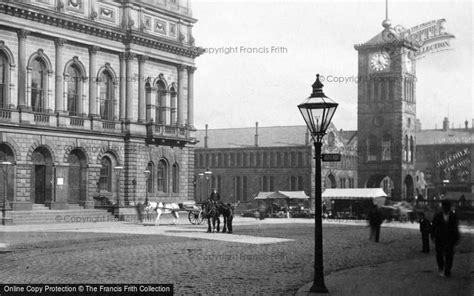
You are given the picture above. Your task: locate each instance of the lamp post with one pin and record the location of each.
(317, 111)
(147, 175)
(5, 165)
(201, 177)
(208, 175)
(118, 171)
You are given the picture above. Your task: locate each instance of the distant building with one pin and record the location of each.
(445, 160)
(245, 161)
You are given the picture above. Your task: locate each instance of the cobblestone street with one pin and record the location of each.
(201, 266)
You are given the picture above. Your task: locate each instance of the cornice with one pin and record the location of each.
(85, 26)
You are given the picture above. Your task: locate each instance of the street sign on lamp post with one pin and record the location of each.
(317, 111)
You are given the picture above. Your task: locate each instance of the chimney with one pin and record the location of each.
(445, 124)
(306, 137)
(472, 126)
(466, 124)
(205, 139)
(256, 134)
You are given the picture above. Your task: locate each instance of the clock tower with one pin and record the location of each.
(386, 114)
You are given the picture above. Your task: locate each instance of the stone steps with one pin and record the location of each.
(74, 215)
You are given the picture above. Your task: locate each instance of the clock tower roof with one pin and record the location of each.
(388, 36)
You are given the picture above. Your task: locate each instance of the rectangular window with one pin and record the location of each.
(300, 183)
(244, 188)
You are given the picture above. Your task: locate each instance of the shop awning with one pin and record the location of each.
(282, 195)
(353, 193)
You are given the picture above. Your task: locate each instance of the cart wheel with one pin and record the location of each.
(193, 217)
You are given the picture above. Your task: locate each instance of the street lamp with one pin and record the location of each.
(147, 174)
(317, 111)
(208, 174)
(201, 176)
(118, 171)
(5, 165)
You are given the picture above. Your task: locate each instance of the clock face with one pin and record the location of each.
(379, 61)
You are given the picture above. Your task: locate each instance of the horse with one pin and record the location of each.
(160, 208)
(227, 211)
(210, 212)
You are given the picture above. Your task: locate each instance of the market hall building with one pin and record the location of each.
(241, 162)
(92, 94)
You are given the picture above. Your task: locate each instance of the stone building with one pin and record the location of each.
(445, 160)
(245, 161)
(386, 114)
(93, 88)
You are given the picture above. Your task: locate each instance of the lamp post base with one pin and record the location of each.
(318, 288)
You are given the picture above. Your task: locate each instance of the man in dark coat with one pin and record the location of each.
(375, 221)
(425, 229)
(445, 234)
(215, 196)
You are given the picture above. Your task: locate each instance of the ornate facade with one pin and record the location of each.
(92, 94)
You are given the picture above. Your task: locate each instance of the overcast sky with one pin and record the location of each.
(308, 37)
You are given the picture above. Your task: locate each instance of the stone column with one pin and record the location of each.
(59, 81)
(123, 88)
(191, 96)
(22, 34)
(129, 96)
(93, 81)
(181, 69)
(141, 87)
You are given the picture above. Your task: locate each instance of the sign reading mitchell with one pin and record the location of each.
(428, 37)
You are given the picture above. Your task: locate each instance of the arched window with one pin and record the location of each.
(73, 81)
(173, 98)
(38, 85)
(106, 88)
(105, 178)
(412, 149)
(406, 148)
(176, 178)
(372, 148)
(150, 184)
(3, 81)
(162, 176)
(161, 102)
(386, 147)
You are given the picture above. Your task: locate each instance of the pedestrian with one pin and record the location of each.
(375, 221)
(215, 196)
(445, 234)
(425, 229)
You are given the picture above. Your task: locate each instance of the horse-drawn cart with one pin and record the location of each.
(194, 213)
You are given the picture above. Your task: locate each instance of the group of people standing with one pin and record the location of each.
(443, 230)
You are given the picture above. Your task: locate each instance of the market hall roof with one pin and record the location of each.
(274, 136)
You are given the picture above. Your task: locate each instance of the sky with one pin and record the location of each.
(263, 56)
